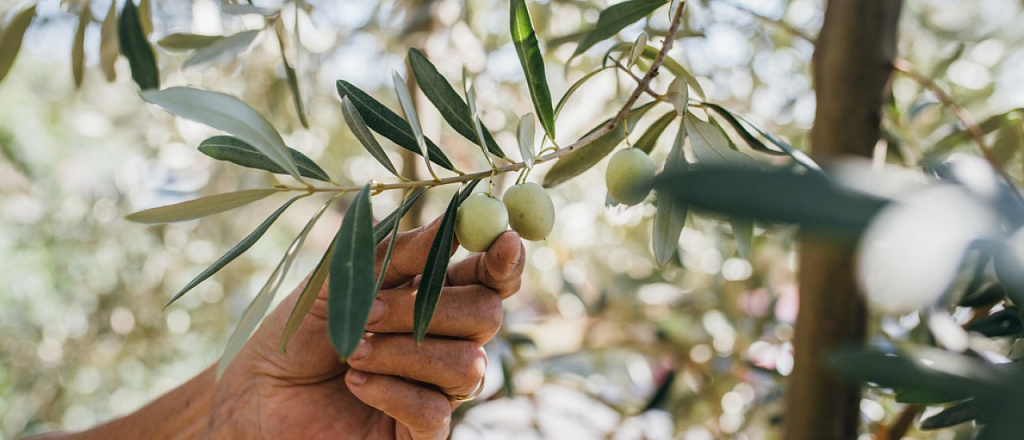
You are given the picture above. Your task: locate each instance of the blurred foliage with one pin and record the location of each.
(600, 341)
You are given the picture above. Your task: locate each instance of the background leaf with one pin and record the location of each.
(351, 283)
(528, 48)
(11, 36)
(712, 147)
(649, 139)
(775, 195)
(435, 271)
(670, 216)
(236, 151)
(673, 66)
(586, 156)
(136, 48)
(221, 50)
(453, 109)
(576, 85)
(78, 46)
(261, 303)
(362, 133)
(200, 207)
(227, 113)
(109, 46)
(235, 251)
(615, 18)
(388, 124)
(186, 41)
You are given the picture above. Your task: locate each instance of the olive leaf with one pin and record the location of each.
(257, 309)
(351, 282)
(109, 46)
(411, 116)
(670, 216)
(586, 156)
(235, 251)
(383, 227)
(778, 195)
(649, 139)
(673, 66)
(221, 50)
(638, 49)
(136, 48)
(78, 46)
(186, 41)
(447, 101)
(435, 271)
(524, 38)
(740, 123)
(11, 36)
(615, 18)
(198, 208)
(712, 148)
(227, 113)
(954, 415)
(388, 124)
(362, 133)
(236, 151)
(306, 299)
(525, 134)
(576, 85)
(291, 73)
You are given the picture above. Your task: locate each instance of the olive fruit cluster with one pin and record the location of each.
(526, 207)
(629, 176)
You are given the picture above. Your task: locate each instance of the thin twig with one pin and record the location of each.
(642, 86)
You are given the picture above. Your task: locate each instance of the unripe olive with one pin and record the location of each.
(480, 220)
(629, 176)
(530, 211)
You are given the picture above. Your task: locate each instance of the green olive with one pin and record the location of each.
(629, 176)
(530, 211)
(480, 220)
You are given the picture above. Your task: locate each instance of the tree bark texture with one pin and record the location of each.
(852, 64)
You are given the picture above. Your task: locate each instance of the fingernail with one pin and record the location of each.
(362, 351)
(376, 312)
(356, 377)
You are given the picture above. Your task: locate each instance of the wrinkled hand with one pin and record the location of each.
(390, 388)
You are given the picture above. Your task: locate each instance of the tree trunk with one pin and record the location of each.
(852, 64)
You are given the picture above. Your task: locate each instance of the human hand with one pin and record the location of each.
(390, 388)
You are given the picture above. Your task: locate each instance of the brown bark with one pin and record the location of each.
(852, 64)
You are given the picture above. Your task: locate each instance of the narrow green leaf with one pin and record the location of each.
(412, 116)
(234, 150)
(743, 233)
(740, 122)
(78, 46)
(434, 272)
(185, 41)
(577, 85)
(525, 40)
(136, 48)
(453, 109)
(200, 207)
(364, 136)
(227, 113)
(1009, 139)
(11, 36)
(673, 66)
(989, 125)
(387, 254)
(261, 303)
(712, 148)
(221, 50)
(752, 140)
(670, 216)
(291, 74)
(109, 46)
(388, 124)
(351, 284)
(954, 415)
(306, 298)
(774, 195)
(586, 156)
(649, 139)
(525, 134)
(615, 18)
(239, 249)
